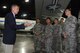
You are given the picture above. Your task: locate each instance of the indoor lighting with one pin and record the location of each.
(26, 0)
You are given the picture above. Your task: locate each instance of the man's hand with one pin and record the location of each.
(27, 24)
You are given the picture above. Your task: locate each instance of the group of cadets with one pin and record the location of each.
(57, 38)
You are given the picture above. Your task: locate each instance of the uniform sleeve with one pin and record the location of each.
(60, 29)
(42, 29)
(34, 29)
(73, 22)
(63, 28)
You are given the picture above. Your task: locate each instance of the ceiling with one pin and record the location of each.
(41, 10)
(27, 9)
(37, 8)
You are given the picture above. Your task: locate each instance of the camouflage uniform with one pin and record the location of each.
(62, 37)
(38, 28)
(70, 29)
(48, 38)
(57, 48)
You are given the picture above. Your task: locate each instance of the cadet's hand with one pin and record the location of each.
(65, 35)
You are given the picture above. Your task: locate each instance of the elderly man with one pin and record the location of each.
(9, 33)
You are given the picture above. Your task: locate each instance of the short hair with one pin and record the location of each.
(69, 9)
(37, 18)
(56, 19)
(14, 5)
(62, 19)
(49, 19)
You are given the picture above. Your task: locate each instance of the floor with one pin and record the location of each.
(24, 44)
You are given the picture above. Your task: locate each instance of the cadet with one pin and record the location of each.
(70, 32)
(57, 37)
(62, 35)
(48, 36)
(37, 30)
